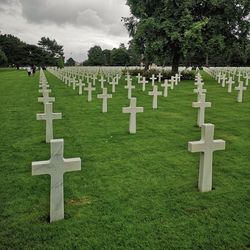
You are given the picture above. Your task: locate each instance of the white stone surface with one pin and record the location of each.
(155, 93)
(206, 146)
(153, 78)
(240, 89)
(113, 83)
(104, 96)
(46, 98)
(165, 85)
(49, 116)
(129, 87)
(201, 105)
(80, 84)
(230, 83)
(90, 89)
(133, 110)
(144, 82)
(102, 81)
(56, 167)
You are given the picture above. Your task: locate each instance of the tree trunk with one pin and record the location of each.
(176, 62)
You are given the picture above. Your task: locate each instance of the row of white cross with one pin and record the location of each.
(207, 145)
(56, 166)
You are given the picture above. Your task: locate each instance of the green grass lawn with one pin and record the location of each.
(134, 191)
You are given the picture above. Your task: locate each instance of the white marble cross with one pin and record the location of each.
(165, 85)
(230, 82)
(94, 78)
(44, 91)
(224, 78)
(144, 82)
(200, 89)
(206, 146)
(46, 99)
(159, 77)
(139, 77)
(201, 105)
(113, 83)
(104, 96)
(74, 82)
(155, 93)
(240, 89)
(56, 167)
(172, 82)
(133, 110)
(80, 84)
(153, 78)
(89, 89)
(247, 78)
(102, 80)
(49, 116)
(129, 87)
(176, 79)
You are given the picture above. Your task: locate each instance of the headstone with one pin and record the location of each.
(230, 82)
(133, 110)
(113, 83)
(201, 105)
(89, 89)
(46, 99)
(240, 89)
(49, 116)
(144, 82)
(153, 78)
(104, 96)
(80, 84)
(206, 146)
(165, 85)
(56, 167)
(159, 77)
(155, 93)
(102, 80)
(129, 87)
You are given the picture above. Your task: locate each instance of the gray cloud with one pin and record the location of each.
(76, 24)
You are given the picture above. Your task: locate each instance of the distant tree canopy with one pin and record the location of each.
(115, 57)
(70, 62)
(190, 31)
(20, 53)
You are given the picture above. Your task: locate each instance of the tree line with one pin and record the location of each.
(15, 53)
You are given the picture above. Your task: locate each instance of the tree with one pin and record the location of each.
(107, 57)
(175, 28)
(120, 56)
(60, 62)
(95, 56)
(51, 46)
(3, 58)
(70, 62)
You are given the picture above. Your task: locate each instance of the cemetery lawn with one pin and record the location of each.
(134, 191)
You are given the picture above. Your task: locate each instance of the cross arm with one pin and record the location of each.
(72, 164)
(40, 167)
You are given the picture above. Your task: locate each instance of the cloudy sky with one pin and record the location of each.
(75, 24)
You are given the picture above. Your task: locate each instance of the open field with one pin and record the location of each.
(134, 191)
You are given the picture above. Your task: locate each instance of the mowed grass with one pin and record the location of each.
(134, 191)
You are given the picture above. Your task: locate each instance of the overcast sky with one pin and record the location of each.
(75, 24)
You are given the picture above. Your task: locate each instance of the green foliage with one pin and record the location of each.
(70, 62)
(60, 62)
(120, 56)
(51, 46)
(185, 30)
(3, 58)
(22, 54)
(95, 56)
